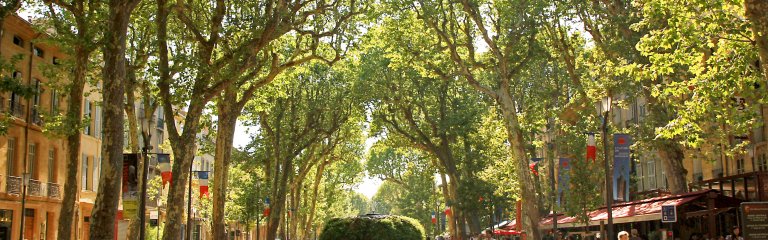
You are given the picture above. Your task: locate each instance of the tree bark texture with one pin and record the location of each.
(279, 196)
(74, 114)
(228, 110)
(757, 13)
(517, 145)
(672, 160)
(105, 209)
(133, 137)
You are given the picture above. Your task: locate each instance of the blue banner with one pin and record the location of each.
(563, 179)
(621, 166)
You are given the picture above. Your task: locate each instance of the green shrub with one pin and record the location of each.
(379, 227)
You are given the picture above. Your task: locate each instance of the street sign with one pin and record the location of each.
(754, 218)
(668, 213)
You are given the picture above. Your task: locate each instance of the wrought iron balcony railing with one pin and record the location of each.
(16, 108)
(13, 185)
(35, 188)
(54, 191)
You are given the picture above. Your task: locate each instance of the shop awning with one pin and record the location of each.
(635, 211)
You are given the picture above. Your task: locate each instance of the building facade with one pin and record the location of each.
(24, 148)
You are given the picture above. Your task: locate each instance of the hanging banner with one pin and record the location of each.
(130, 185)
(266, 207)
(202, 180)
(591, 149)
(563, 179)
(434, 219)
(534, 166)
(164, 164)
(621, 166)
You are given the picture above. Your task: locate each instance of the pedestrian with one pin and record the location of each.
(635, 235)
(623, 235)
(735, 234)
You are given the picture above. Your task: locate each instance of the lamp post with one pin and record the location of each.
(551, 156)
(189, 202)
(258, 213)
(24, 183)
(143, 198)
(606, 104)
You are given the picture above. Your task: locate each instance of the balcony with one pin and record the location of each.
(747, 186)
(54, 191)
(16, 108)
(35, 188)
(13, 186)
(36, 119)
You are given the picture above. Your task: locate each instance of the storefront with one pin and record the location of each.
(705, 212)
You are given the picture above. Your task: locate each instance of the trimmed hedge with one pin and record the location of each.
(379, 227)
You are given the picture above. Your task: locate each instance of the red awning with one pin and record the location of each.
(641, 210)
(502, 232)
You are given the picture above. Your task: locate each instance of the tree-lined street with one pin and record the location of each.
(462, 109)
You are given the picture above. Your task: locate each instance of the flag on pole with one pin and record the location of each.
(591, 149)
(203, 182)
(534, 166)
(434, 219)
(164, 163)
(266, 207)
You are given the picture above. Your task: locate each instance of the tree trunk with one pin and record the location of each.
(105, 209)
(517, 147)
(447, 196)
(279, 197)
(672, 159)
(757, 13)
(183, 156)
(74, 115)
(228, 111)
(315, 188)
(133, 136)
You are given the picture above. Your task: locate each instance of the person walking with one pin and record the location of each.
(623, 235)
(735, 234)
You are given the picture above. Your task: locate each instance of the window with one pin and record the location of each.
(32, 159)
(52, 165)
(160, 137)
(36, 103)
(84, 173)
(762, 164)
(740, 165)
(18, 41)
(642, 110)
(160, 120)
(36, 99)
(38, 52)
(664, 179)
(697, 170)
(650, 168)
(94, 173)
(10, 163)
(54, 102)
(87, 115)
(97, 122)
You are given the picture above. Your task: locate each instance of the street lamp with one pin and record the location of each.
(24, 183)
(189, 201)
(551, 156)
(606, 104)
